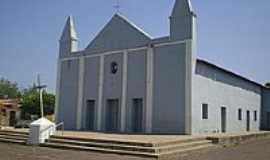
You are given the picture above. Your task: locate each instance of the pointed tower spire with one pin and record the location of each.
(182, 20)
(69, 39)
(69, 32)
(181, 8)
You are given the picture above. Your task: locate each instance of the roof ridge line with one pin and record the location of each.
(133, 24)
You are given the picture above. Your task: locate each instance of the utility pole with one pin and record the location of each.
(40, 89)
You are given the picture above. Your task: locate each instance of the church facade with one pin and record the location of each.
(125, 81)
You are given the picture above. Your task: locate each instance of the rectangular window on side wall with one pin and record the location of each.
(255, 115)
(204, 111)
(239, 114)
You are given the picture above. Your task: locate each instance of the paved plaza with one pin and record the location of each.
(256, 150)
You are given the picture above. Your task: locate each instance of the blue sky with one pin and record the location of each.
(234, 34)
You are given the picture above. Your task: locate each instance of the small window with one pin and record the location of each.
(239, 114)
(204, 111)
(255, 115)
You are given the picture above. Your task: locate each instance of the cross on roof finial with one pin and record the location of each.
(117, 6)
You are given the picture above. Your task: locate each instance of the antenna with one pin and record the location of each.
(117, 6)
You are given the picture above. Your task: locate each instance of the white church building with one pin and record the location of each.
(125, 81)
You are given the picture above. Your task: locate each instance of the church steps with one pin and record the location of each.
(129, 142)
(9, 136)
(13, 132)
(103, 150)
(162, 148)
(183, 146)
(182, 141)
(106, 141)
(13, 137)
(6, 140)
(108, 145)
(114, 146)
(155, 150)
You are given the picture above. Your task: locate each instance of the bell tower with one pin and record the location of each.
(182, 21)
(69, 40)
(183, 28)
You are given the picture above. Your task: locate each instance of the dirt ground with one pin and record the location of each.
(258, 150)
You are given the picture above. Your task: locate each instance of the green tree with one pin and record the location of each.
(9, 89)
(31, 103)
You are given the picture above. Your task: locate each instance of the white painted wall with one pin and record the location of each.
(211, 87)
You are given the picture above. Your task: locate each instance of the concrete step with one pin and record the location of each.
(13, 134)
(187, 150)
(13, 131)
(187, 140)
(111, 146)
(127, 148)
(97, 149)
(14, 137)
(128, 142)
(106, 141)
(8, 136)
(185, 145)
(174, 149)
(116, 146)
(168, 147)
(6, 140)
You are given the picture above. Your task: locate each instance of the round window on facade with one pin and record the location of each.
(114, 67)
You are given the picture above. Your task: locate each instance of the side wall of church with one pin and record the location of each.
(219, 89)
